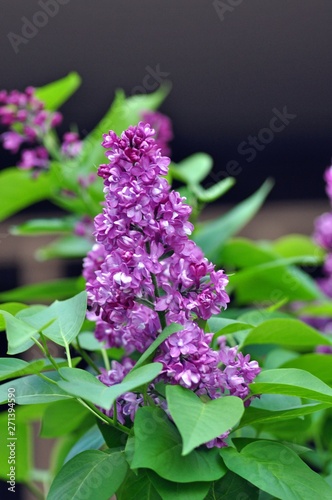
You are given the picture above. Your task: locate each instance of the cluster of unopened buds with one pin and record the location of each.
(144, 273)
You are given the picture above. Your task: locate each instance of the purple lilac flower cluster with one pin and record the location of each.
(162, 125)
(323, 237)
(145, 273)
(28, 122)
(71, 145)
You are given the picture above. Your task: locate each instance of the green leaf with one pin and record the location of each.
(192, 170)
(275, 277)
(44, 226)
(169, 490)
(18, 333)
(215, 192)
(19, 190)
(257, 316)
(273, 408)
(167, 332)
(276, 469)
(225, 326)
(241, 252)
(46, 291)
(319, 365)
(258, 416)
(89, 342)
(323, 309)
(217, 324)
(212, 236)
(232, 487)
(122, 113)
(13, 367)
(292, 382)
(56, 93)
(92, 474)
(63, 417)
(158, 447)
(286, 332)
(200, 421)
(12, 308)
(274, 281)
(82, 384)
(276, 357)
(65, 247)
(137, 487)
(92, 439)
(275, 402)
(113, 437)
(295, 245)
(66, 318)
(33, 390)
(8, 366)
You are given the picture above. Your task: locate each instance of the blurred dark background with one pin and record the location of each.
(234, 65)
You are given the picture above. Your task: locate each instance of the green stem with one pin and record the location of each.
(86, 356)
(41, 375)
(70, 364)
(162, 319)
(115, 413)
(104, 418)
(155, 284)
(105, 359)
(45, 351)
(145, 302)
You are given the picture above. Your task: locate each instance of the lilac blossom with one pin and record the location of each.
(323, 231)
(84, 227)
(145, 273)
(163, 129)
(328, 180)
(28, 123)
(71, 145)
(128, 403)
(323, 237)
(37, 158)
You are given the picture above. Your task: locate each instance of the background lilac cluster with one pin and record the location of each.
(323, 237)
(30, 124)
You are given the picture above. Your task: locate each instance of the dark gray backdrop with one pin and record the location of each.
(234, 65)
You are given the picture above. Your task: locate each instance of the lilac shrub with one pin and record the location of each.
(144, 273)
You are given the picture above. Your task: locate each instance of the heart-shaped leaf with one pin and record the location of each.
(278, 470)
(157, 446)
(91, 474)
(64, 319)
(19, 333)
(199, 421)
(83, 384)
(292, 382)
